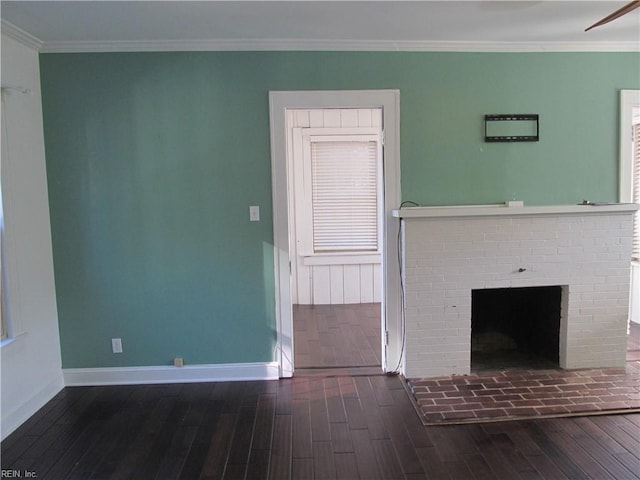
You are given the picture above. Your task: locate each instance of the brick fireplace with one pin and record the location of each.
(448, 252)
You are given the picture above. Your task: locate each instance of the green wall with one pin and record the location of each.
(154, 158)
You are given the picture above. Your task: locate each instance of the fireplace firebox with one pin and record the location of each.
(515, 327)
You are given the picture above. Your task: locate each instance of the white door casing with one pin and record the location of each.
(279, 104)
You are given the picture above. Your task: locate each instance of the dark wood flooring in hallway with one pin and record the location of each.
(330, 336)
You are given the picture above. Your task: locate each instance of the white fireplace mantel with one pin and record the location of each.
(503, 209)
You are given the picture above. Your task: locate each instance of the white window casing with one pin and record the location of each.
(342, 179)
(635, 251)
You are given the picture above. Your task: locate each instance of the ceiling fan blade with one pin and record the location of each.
(618, 13)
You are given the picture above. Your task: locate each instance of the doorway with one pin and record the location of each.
(335, 165)
(281, 106)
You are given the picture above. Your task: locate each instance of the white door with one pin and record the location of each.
(335, 205)
(281, 104)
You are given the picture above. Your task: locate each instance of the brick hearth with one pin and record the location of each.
(510, 395)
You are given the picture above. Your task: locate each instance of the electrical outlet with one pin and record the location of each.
(116, 345)
(178, 362)
(254, 213)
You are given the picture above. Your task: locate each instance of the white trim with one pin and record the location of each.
(26, 409)
(169, 374)
(634, 297)
(279, 104)
(285, 44)
(503, 210)
(355, 258)
(20, 36)
(331, 45)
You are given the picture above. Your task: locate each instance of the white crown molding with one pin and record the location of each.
(170, 374)
(19, 35)
(333, 45)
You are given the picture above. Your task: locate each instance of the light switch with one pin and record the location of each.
(254, 213)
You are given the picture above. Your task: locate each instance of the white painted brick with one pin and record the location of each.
(447, 258)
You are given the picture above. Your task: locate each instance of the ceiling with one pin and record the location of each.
(521, 25)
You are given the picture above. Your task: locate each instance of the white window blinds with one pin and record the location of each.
(635, 253)
(345, 193)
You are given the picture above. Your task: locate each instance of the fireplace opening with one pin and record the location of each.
(515, 328)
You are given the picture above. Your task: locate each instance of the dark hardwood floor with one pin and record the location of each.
(330, 336)
(306, 427)
(340, 427)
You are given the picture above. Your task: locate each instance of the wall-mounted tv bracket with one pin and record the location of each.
(494, 123)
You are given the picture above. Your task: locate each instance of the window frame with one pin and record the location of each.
(305, 232)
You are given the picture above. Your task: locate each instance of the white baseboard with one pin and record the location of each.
(21, 414)
(228, 372)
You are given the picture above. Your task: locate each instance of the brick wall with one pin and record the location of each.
(445, 258)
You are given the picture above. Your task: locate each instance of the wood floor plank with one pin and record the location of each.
(161, 445)
(44, 418)
(69, 459)
(520, 439)
(459, 469)
(193, 463)
(324, 466)
(258, 466)
(588, 464)
(629, 442)
(99, 451)
(380, 386)
(631, 462)
(375, 424)
(478, 466)
(365, 455)
(319, 416)
(242, 436)
(346, 466)
(18, 448)
(341, 438)
(607, 460)
(490, 452)
(216, 459)
(387, 459)
(301, 419)
(302, 468)
(543, 438)
(432, 464)
(263, 428)
(202, 439)
(177, 454)
(407, 457)
(515, 457)
(281, 451)
(355, 416)
(335, 406)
